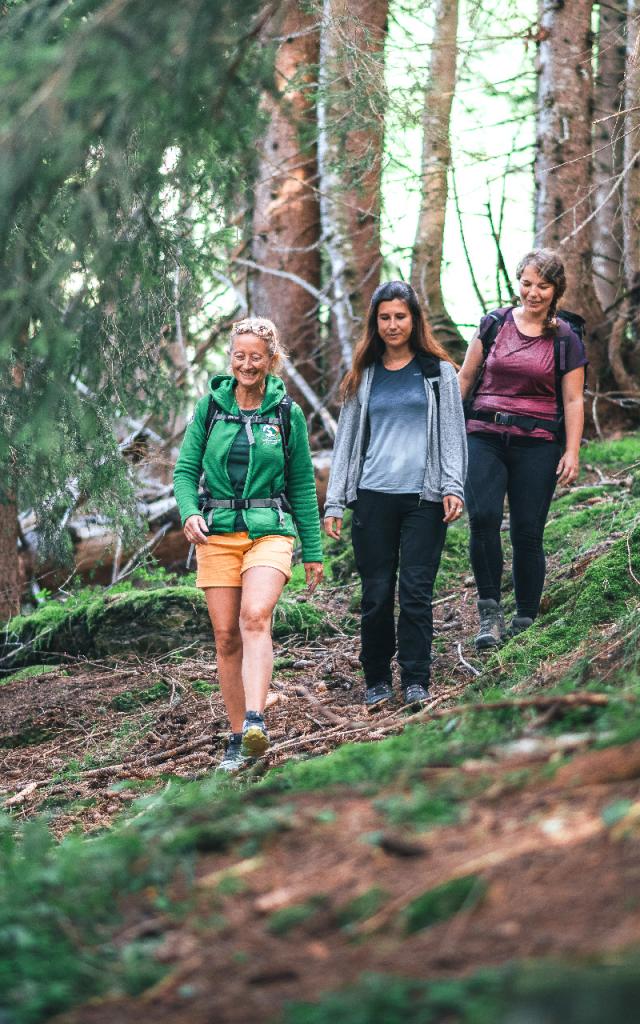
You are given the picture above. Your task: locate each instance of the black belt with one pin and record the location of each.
(512, 419)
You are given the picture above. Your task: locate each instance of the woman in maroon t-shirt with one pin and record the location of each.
(511, 452)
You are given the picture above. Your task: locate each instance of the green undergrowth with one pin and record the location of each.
(534, 993)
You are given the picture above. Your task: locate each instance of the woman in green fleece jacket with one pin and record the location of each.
(259, 481)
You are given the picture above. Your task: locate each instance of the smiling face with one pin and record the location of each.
(250, 360)
(536, 293)
(395, 324)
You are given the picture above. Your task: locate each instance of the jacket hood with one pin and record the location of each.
(222, 388)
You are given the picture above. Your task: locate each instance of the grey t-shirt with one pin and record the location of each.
(396, 456)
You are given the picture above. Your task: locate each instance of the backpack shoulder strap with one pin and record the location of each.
(214, 412)
(430, 367)
(284, 419)
(489, 327)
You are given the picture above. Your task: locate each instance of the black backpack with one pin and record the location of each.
(489, 327)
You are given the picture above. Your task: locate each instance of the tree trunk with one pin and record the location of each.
(436, 157)
(608, 153)
(350, 130)
(631, 183)
(563, 164)
(286, 217)
(10, 587)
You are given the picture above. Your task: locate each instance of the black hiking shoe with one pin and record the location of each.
(416, 693)
(519, 623)
(492, 628)
(255, 738)
(233, 759)
(375, 693)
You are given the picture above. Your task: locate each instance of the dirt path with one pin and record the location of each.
(554, 880)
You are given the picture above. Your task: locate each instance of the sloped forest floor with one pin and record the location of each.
(479, 862)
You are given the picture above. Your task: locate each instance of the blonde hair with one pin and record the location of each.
(265, 329)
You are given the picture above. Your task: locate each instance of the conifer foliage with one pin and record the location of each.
(122, 125)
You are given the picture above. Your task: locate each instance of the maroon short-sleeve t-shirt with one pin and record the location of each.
(519, 377)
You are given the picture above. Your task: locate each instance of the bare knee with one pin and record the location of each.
(255, 620)
(228, 641)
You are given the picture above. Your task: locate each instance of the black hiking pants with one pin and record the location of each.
(391, 532)
(523, 469)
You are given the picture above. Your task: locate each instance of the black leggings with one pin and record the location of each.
(525, 470)
(391, 532)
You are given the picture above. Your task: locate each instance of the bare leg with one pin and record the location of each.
(224, 611)
(261, 588)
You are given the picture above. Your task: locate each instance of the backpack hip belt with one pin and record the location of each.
(513, 419)
(280, 503)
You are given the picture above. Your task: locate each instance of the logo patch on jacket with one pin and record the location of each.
(270, 434)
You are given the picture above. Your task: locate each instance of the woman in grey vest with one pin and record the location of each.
(399, 462)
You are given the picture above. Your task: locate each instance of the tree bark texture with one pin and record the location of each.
(631, 183)
(564, 199)
(350, 135)
(436, 157)
(10, 581)
(286, 216)
(608, 147)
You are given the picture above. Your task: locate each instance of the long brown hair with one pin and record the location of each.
(371, 347)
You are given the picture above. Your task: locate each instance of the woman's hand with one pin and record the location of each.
(332, 527)
(194, 530)
(568, 468)
(453, 506)
(314, 571)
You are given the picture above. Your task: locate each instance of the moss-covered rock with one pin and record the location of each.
(127, 620)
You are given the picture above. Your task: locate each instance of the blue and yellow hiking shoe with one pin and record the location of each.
(255, 738)
(233, 759)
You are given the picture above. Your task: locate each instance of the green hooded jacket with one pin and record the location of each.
(265, 474)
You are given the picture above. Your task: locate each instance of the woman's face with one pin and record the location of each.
(536, 293)
(250, 360)
(395, 323)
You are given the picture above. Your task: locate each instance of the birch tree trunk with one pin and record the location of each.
(631, 183)
(563, 167)
(286, 217)
(608, 147)
(436, 157)
(350, 131)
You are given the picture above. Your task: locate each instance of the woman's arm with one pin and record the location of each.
(452, 436)
(186, 476)
(573, 402)
(470, 367)
(342, 449)
(301, 489)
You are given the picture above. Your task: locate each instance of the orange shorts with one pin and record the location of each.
(225, 556)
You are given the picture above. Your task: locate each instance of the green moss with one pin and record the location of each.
(361, 907)
(542, 993)
(130, 699)
(622, 452)
(283, 921)
(30, 671)
(421, 808)
(443, 902)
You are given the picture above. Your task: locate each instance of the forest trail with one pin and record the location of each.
(502, 827)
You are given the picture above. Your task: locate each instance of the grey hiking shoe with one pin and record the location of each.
(416, 694)
(255, 738)
(375, 693)
(492, 628)
(233, 759)
(519, 623)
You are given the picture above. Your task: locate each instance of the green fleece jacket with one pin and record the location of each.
(265, 475)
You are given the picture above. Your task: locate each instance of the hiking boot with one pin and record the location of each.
(519, 623)
(233, 759)
(416, 693)
(492, 628)
(255, 738)
(375, 693)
